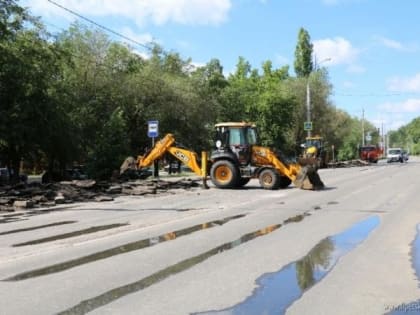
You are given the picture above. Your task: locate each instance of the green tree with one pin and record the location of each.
(407, 137)
(239, 96)
(319, 256)
(303, 54)
(29, 75)
(110, 148)
(102, 79)
(11, 18)
(273, 111)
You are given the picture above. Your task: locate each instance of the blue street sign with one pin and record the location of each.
(153, 128)
(307, 125)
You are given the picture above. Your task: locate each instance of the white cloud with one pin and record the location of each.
(394, 123)
(396, 45)
(142, 11)
(145, 38)
(390, 121)
(390, 43)
(340, 52)
(407, 106)
(282, 60)
(398, 84)
(142, 54)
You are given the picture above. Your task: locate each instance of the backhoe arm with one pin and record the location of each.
(187, 157)
(157, 152)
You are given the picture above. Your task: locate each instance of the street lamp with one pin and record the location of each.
(308, 124)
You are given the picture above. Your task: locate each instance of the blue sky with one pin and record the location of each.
(373, 45)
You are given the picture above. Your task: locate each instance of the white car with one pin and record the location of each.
(395, 155)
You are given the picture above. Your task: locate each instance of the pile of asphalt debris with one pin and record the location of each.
(37, 195)
(349, 163)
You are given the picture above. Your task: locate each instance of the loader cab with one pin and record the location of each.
(235, 140)
(316, 142)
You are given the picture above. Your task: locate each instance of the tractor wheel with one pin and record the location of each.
(269, 179)
(224, 174)
(284, 181)
(243, 181)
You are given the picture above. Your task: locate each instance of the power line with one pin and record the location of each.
(376, 94)
(99, 25)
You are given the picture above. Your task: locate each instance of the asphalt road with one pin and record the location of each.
(348, 249)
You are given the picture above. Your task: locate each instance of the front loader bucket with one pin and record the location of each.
(128, 164)
(311, 161)
(308, 178)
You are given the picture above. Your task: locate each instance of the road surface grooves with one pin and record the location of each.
(114, 294)
(125, 248)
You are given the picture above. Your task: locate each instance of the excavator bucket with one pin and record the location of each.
(128, 164)
(311, 161)
(308, 178)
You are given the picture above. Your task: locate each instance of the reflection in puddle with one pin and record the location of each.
(117, 293)
(125, 248)
(412, 307)
(278, 290)
(37, 227)
(416, 253)
(11, 219)
(90, 230)
(23, 215)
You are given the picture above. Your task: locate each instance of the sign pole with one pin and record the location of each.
(153, 132)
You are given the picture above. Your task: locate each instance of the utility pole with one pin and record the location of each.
(308, 106)
(382, 137)
(308, 97)
(363, 127)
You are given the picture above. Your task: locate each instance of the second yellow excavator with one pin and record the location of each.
(236, 159)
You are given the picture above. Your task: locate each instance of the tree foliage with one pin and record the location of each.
(303, 54)
(81, 97)
(407, 137)
(29, 69)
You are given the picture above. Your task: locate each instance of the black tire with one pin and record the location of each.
(284, 181)
(243, 181)
(224, 174)
(269, 179)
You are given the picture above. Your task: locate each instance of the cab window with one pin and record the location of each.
(236, 136)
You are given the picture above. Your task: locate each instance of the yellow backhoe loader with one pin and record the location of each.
(315, 152)
(236, 159)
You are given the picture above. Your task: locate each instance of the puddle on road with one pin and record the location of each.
(11, 219)
(412, 307)
(37, 227)
(90, 230)
(23, 215)
(125, 248)
(296, 218)
(373, 211)
(416, 253)
(117, 293)
(277, 291)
